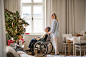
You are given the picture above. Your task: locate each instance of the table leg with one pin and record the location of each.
(73, 49)
(69, 47)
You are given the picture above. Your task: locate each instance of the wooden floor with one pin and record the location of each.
(68, 55)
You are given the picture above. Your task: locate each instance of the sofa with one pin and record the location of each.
(10, 52)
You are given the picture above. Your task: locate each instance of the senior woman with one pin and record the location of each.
(55, 32)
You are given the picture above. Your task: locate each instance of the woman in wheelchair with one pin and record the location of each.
(33, 41)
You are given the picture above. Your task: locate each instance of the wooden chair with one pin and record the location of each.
(80, 43)
(65, 43)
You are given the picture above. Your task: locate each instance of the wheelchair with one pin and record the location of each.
(43, 47)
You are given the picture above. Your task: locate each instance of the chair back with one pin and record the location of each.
(82, 39)
(76, 40)
(79, 40)
(66, 35)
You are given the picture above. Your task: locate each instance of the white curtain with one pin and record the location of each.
(79, 15)
(71, 15)
(13, 5)
(2, 31)
(48, 12)
(85, 15)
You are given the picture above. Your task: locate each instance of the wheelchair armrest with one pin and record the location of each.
(41, 39)
(48, 40)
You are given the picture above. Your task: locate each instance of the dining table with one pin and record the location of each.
(71, 39)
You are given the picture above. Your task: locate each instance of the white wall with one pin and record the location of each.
(2, 30)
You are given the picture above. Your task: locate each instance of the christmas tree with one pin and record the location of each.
(14, 24)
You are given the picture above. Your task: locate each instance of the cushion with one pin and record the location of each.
(82, 44)
(66, 42)
(21, 52)
(11, 52)
(18, 48)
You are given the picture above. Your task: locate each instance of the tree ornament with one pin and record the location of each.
(8, 12)
(12, 24)
(25, 25)
(12, 32)
(12, 18)
(20, 21)
(15, 31)
(24, 28)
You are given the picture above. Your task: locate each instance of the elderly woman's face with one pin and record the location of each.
(46, 30)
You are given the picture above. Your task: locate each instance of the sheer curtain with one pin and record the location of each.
(85, 15)
(48, 12)
(71, 15)
(2, 31)
(13, 5)
(79, 16)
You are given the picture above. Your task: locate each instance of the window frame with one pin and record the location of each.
(32, 4)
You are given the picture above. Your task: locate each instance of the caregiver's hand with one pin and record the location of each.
(49, 33)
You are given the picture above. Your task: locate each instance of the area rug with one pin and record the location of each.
(55, 56)
(26, 55)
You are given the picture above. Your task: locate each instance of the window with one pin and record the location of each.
(33, 12)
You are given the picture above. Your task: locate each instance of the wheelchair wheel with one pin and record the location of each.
(40, 48)
(49, 48)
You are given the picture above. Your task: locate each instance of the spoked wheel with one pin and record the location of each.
(40, 48)
(49, 48)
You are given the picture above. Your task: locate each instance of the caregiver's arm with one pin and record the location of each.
(53, 27)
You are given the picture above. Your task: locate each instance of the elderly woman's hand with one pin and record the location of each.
(36, 37)
(49, 33)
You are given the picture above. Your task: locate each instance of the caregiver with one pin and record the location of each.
(54, 32)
